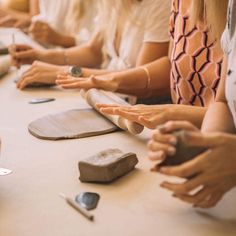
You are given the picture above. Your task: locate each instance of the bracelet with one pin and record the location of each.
(148, 77)
(65, 57)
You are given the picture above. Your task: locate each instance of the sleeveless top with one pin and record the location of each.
(229, 46)
(196, 59)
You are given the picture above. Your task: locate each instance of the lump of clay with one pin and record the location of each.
(184, 152)
(107, 166)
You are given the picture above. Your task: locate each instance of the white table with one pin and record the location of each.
(133, 205)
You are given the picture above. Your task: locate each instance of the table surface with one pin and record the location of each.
(133, 205)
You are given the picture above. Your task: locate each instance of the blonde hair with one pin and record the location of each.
(212, 12)
(76, 12)
(121, 8)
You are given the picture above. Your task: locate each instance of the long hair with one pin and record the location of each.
(77, 10)
(212, 12)
(122, 9)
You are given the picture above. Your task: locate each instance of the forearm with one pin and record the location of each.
(87, 72)
(64, 41)
(136, 81)
(218, 118)
(74, 56)
(193, 114)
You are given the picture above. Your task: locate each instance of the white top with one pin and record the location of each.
(152, 17)
(55, 14)
(229, 46)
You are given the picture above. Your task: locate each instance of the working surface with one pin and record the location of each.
(133, 205)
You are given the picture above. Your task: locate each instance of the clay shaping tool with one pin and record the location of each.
(79, 209)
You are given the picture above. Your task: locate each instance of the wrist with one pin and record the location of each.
(42, 55)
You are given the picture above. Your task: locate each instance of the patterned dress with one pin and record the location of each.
(196, 59)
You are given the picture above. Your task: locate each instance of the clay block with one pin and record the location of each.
(184, 152)
(106, 166)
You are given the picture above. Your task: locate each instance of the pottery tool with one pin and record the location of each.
(41, 100)
(77, 207)
(17, 67)
(87, 200)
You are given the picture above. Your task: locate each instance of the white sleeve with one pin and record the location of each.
(157, 21)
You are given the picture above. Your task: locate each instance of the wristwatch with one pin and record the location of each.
(75, 71)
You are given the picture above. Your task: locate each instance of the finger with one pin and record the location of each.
(186, 187)
(171, 126)
(20, 47)
(155, 146)
(77, 85)
(198, 139)
(157, 156)
(24, 55)
(154, 121)
(27, 74)
(101, 105)
(127, 115)
(195, 198)
(67, 81)
(188, 168)
(164, 138)
(211, 201)
(27, 81)
(109, 110)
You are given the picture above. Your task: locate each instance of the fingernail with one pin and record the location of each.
(173, 141)
(171, 151)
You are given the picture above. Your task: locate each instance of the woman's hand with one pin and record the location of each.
(163, 142)
(214, 171)
(101, 82)
(42, 73)
(146, 115)
(24, 54)
(13, 21)
(152, 116)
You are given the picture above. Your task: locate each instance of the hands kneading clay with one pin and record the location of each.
(107, 166)
(184, 152)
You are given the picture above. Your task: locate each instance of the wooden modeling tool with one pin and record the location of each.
(77, 207)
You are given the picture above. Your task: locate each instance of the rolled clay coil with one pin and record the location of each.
(94, 96)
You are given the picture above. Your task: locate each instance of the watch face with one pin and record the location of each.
(76, 71)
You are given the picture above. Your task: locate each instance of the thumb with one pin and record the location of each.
(198, 139)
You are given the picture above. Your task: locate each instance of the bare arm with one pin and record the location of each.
(149, 52)
(88, 55)
(218, 116)
(34, 7)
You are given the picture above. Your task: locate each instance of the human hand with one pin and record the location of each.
(42, 73)
(214, 171)
(149, 116)
(43, 33)
(13, 21)
(24, 54)
(67, 81)
(163, 142)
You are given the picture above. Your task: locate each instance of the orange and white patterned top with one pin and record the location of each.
(196, 59)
